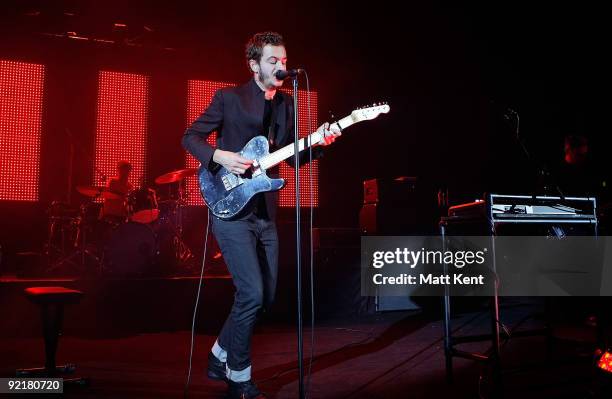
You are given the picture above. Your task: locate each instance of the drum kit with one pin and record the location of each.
(147, 240)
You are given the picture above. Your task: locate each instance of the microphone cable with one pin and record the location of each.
(195, 308)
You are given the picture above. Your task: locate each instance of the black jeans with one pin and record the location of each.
(250, 250)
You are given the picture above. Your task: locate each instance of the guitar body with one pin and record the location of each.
(226, 194)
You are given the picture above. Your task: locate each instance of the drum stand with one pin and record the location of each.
(181, 250)
(61, 228)
(81, 252)
(174, 219)
(56, 226)
(174, 222)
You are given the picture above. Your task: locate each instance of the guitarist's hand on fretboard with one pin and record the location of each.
(329, 134)
(232, 161)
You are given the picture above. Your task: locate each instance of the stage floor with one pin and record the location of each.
(382, 355)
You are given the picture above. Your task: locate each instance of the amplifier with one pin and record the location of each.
(397, 207)
(529, 209)
(388, 190)
(336, 237)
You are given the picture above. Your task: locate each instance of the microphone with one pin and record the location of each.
(282, 75)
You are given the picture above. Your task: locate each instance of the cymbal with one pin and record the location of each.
(176, 175)
(93, 191)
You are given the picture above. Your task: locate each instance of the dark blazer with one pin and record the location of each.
(237, 115)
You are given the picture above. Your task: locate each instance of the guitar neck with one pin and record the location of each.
(287, 151)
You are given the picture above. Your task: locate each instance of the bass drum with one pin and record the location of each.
(131, 250)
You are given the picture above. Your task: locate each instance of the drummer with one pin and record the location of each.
(116, 208)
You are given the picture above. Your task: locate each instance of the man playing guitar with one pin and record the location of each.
(248, 242)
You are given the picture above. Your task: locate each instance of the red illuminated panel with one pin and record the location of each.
(200, 94)
(121, 124)
(21, 102)
(605, 362)
(309, 184)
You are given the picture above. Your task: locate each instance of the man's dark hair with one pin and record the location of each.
(255, 45)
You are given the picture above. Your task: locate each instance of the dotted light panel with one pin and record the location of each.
(21, 102)
(121, 124)
(605, 362)
(309, 183)
(200, 94)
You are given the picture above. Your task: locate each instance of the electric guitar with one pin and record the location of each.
(227, 193)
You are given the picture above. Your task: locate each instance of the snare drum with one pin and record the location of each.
(143, 206)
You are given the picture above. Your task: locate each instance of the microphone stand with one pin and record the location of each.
(543, 175)
(70, 165)
(103, 177)
(298, 240)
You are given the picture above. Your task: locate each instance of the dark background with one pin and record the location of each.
(449, 73)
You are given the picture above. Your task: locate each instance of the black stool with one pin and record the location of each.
(51, 301)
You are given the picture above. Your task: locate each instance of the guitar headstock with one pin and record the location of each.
(370, 112)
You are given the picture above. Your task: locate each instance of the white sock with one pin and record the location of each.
(219, 352)
(239, 376)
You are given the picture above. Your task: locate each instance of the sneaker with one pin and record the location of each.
(243, 390)
(216, 368)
